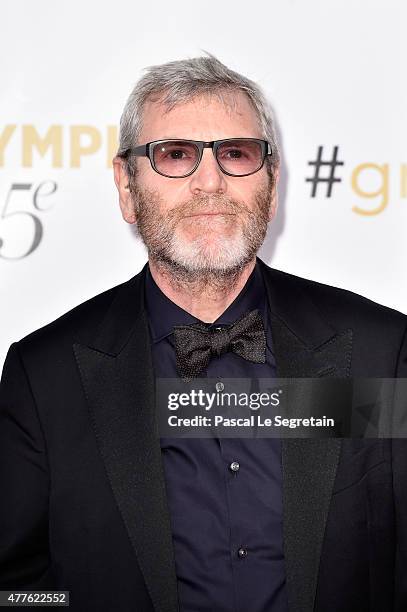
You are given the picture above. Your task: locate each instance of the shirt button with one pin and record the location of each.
(242, 553)
(234, 466)
(219, 386)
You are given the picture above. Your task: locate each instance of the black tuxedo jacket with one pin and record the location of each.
(83, 503)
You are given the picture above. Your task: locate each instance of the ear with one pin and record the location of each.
(122, 183)
(274, 195)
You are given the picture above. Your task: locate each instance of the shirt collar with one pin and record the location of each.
(163, 314)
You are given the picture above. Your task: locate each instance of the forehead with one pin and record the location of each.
(205, 117)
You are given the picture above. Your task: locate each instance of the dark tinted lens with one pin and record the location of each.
(240, 157)
(175, 158)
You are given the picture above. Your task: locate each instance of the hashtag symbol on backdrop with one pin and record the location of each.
(331, 178)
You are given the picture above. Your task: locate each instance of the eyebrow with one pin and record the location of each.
(173, 138)
(198, 140)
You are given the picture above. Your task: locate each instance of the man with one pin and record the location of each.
(93, 501)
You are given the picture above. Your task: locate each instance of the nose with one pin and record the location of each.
(208, 177)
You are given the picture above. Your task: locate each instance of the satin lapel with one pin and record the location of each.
(305, 346)
(119, 388)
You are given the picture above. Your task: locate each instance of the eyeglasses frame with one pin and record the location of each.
(147, 150)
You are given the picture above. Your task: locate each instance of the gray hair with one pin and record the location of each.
(179, 82)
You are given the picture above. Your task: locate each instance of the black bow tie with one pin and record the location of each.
(195, 344)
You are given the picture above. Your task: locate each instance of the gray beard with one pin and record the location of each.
(187, 266)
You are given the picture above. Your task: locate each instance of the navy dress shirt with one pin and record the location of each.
(224, 495)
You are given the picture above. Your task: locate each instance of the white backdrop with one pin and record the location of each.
(334, 71)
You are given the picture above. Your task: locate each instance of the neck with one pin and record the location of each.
(205, 296)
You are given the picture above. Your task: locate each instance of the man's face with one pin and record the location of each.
(209, 220)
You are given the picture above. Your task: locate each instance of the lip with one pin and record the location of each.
(209, 214)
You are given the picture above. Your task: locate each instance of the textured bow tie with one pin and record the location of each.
(195, 344)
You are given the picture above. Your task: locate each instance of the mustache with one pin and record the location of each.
(217, 203)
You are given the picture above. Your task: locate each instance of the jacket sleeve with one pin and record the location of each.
(399, 454)
(24, 483)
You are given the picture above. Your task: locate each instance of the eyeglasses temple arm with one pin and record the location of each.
(141, 151)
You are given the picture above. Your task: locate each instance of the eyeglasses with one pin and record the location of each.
(180, 158)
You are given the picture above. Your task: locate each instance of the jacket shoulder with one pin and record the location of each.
(335, 303)
(79, 323)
